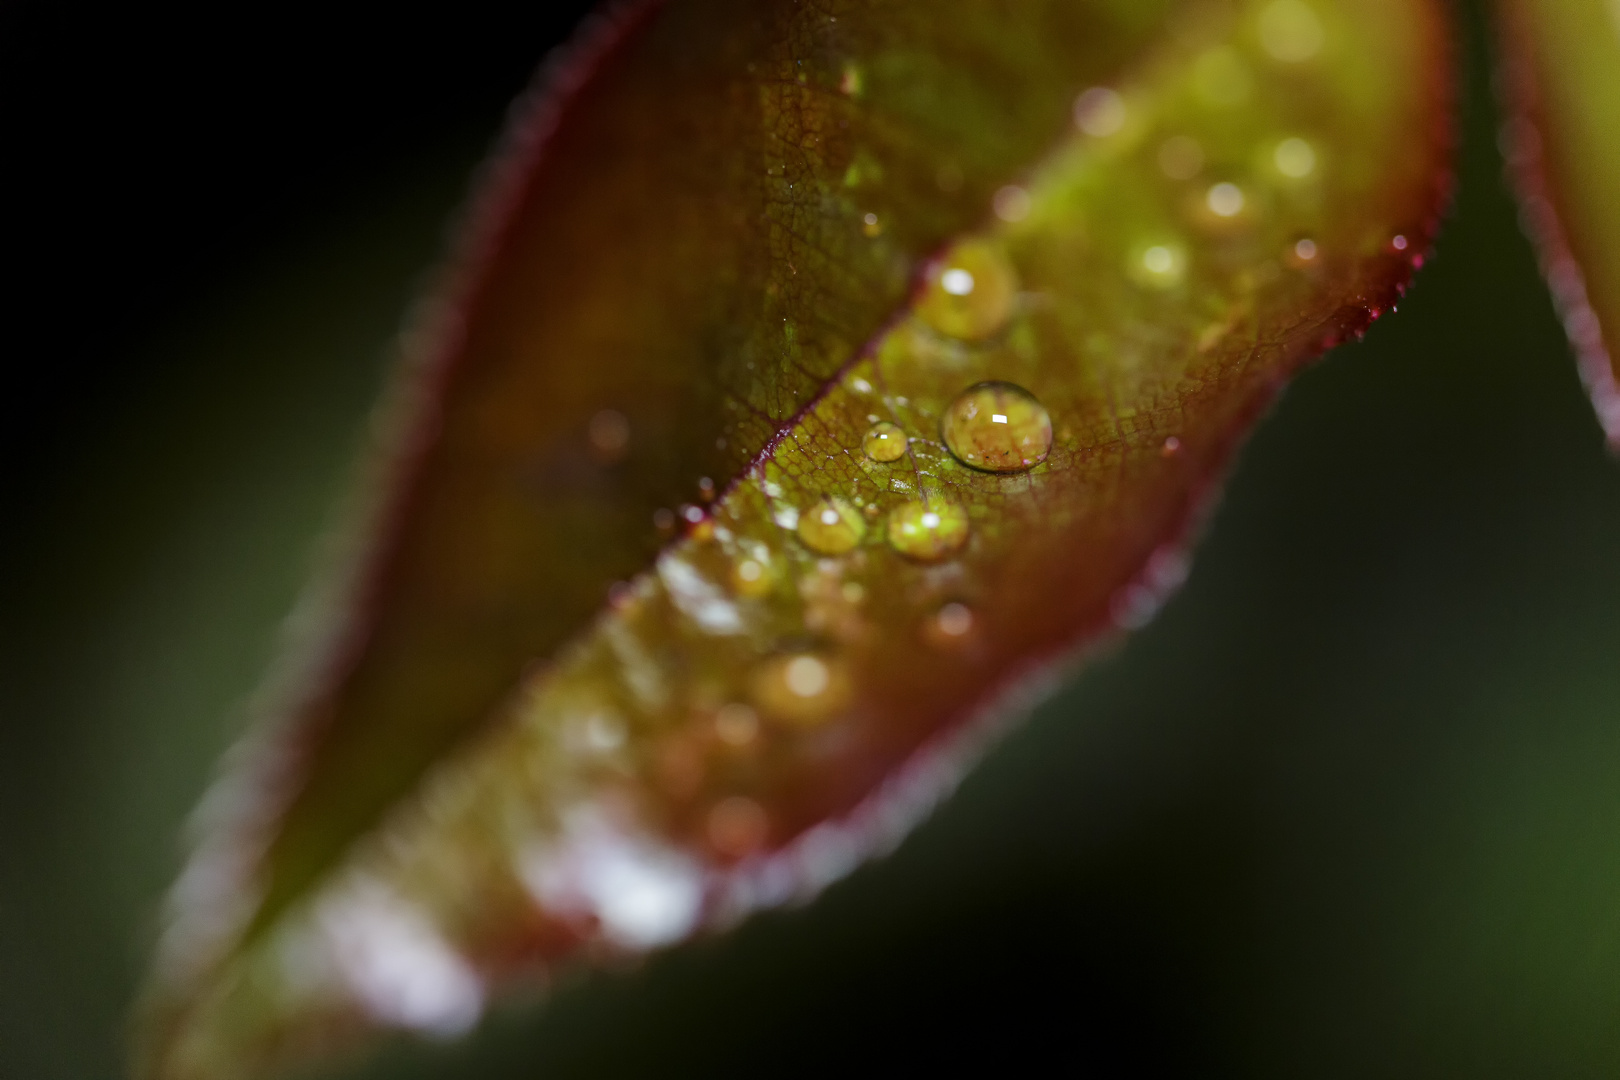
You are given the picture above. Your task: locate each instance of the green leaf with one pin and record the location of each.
(811, 380)
(1561, 77)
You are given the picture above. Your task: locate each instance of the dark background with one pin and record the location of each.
(1349, 808)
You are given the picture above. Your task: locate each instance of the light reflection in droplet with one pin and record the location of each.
(1099, 112)
(831, 527)
(956, 281)
(1225, 200)
(1011, 203)
(1018, 442)
(884, 442)
(1295, 158)
(971, 292)
(928, 530)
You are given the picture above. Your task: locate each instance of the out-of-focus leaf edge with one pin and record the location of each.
(1542, 216)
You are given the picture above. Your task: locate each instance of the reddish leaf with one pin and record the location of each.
(1561, 68)
(815, 376)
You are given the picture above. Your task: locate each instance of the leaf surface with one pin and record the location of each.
(813, 376)
(1561, 62)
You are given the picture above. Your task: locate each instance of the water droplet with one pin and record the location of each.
(997, 427)
(954, 619)
(801, 688)
(705, 488)
(692, 514)
(885, 442)
(1290, 31)
(1099, 112)
(736, 724)
(1294, 157)
(831, 527)
(609, 435)
(1225, 200)
(1305, 249)
(1181, 158)
(1159, 265)
(871, 226)
(751, 578)
(1171, 447)
(970, 292)
(1011, 203)
(928, 530)
(737, 826)
(1398, 243)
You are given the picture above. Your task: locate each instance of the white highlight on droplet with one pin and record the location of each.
(806, 676)
(1225, 199)
(998, 418)
(1011, 203)
(1294, 157)
(1159, 259)
(956, 281)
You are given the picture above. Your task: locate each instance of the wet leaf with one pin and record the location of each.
(1561, 75)
(814, 377)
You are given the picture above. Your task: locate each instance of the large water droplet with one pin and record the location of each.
(970, 293)
(885, 442)
(997, 427)
(831, 527)
(928, 530)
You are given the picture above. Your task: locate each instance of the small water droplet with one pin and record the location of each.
(1181, 158)
(954, 619)
(1011, 203)
(609, 435)
(705, 488)
(736, 724)
(1305, 249)
(831, 527)
(1295, 158)
(928, 530)
(885, 442)
(1157, 265)
(691, 514)
(1225, 200)
(751, 578)
(1398, 243)
(970, 292)
(737, 826)
(1020, 439)
(1290, 31)
(801, 688)
(871, 226)
(1171, 447)
(1099, 112)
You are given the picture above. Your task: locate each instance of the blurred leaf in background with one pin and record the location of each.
(1347, 807)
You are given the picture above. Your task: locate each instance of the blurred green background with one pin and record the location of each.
(1350, 807)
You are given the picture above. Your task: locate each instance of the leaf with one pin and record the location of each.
(1561, 78)
(814, 377)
